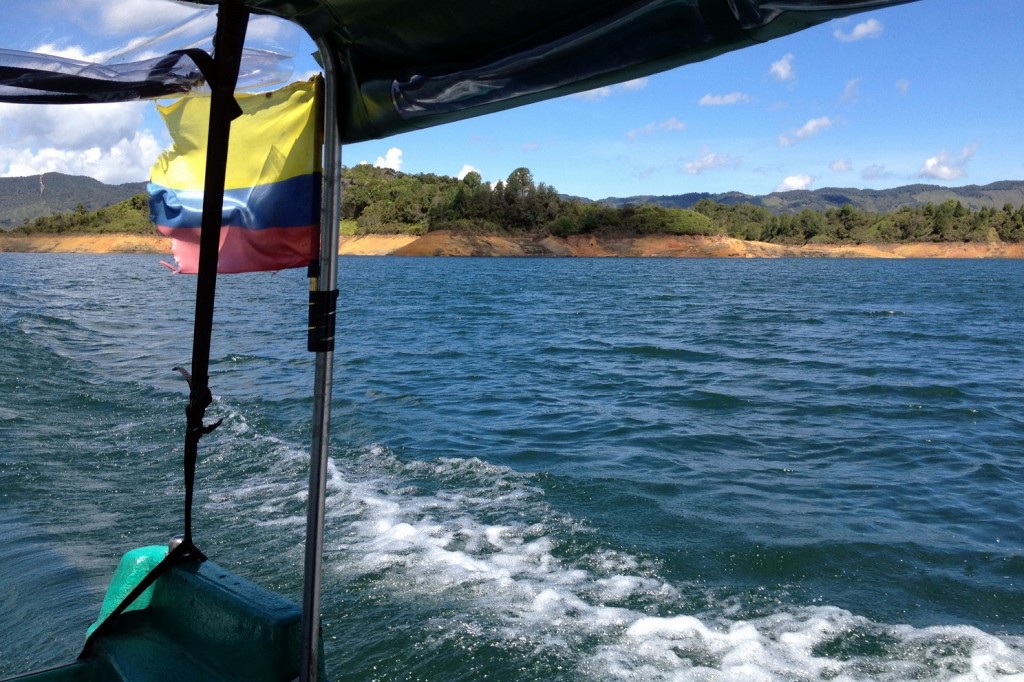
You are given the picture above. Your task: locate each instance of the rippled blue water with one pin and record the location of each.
(545, 469)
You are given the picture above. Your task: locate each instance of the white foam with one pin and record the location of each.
(442, 545)
(482, 538)
(784, 646)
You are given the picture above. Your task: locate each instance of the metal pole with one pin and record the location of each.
(326, 281)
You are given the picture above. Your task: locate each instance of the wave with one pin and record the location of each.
(476, 548)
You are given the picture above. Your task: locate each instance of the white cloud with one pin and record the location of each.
(392, 159)
(103, 141)
(128, 160)
(708, 160)
(903, 85)
(136, 49)
(795, 182)
(635, 84)
(73, 126)
(70, 52)
(942, 167)
(710, 100)
(609, 90)
(783, 69)
(668, 125)
(851, 90)
(809, 129)
(872, 28)
(840, 166)
(131, 16)
(466, 170)
(596, 93)
(272, 31)
(132, 30)
(118, 16)
(875, 171)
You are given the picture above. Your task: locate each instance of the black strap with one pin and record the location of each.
(322, 315)
(232, 20)
(208, 66)
(221, 73)
(194, 430)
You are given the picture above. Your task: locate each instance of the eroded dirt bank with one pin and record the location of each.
(448, 244)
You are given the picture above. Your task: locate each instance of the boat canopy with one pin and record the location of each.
(410, 64)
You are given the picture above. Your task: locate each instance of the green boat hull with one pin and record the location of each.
(196, 622)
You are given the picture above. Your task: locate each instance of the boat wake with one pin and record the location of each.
(476, 553)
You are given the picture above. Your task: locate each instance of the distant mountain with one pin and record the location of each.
(974, 197)
(26, 198)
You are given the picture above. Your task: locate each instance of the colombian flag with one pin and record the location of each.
(271, 214)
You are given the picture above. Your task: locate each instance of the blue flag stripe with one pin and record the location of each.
(289, 203)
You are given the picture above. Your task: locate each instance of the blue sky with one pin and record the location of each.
(928, 92)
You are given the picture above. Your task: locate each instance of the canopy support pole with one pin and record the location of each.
(323, 289)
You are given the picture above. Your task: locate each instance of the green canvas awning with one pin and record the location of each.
(409, 64)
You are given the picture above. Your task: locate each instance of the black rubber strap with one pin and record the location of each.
(323, 306)
(221, 73)
(232, 20)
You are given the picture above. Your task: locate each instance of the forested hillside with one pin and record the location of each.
(126, 217)
(975, 197)
(26, 198)
(382, 201)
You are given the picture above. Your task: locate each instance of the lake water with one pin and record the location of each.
(561, 469)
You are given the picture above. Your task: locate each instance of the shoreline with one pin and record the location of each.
(582, 246)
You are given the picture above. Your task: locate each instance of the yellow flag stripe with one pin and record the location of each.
(277, 137)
